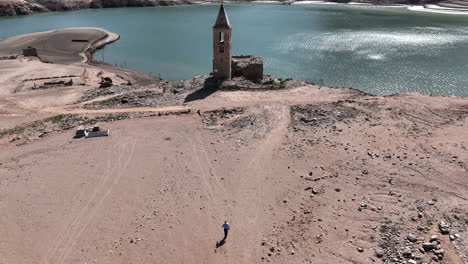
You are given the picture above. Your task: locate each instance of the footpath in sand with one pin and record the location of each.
(304, 174)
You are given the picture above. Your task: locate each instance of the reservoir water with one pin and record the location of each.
(375, 49)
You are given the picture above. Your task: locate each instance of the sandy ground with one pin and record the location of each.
(159, 188)
(63, 46)
(306, 174)
(24, 93)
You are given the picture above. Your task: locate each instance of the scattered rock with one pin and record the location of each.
(428, 246)
(407, 253)
(411, 238)
(379, 253)
(105, 82)
(444, 228)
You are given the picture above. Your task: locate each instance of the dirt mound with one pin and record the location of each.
(239, 125)
(310, 116)
(156, 93)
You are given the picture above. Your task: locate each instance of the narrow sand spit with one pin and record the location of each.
(62, 46)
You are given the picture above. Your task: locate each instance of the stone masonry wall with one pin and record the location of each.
(247, 66)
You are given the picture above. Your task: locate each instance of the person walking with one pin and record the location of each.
(226, 226)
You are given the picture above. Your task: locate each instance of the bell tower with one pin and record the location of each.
(222, 53)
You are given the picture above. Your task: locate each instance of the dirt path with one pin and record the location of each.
(168, 109)
(253, 182)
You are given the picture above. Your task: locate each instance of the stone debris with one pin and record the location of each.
(444, 228)
(412, 238)
(105, 82)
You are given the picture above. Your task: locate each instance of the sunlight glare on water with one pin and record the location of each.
(378, 50)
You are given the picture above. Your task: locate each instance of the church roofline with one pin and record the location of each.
(222, 21)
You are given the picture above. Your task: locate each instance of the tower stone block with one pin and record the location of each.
(222, 46)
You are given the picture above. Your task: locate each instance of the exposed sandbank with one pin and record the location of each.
(25, 82)
(63, 46)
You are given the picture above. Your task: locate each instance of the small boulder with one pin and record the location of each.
(444, 228)
(407, 253)
(411, 238)
(439, 252)
(379, 253)
(428, 246)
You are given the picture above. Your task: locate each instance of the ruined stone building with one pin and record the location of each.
(226, 66)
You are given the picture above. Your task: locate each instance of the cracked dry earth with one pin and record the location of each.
(330, 178)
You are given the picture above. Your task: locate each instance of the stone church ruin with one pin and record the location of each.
(225, 65)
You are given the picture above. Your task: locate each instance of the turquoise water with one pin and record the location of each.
(379, 50)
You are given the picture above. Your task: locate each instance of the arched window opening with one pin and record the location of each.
(221, 36)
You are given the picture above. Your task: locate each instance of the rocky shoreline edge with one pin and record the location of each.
(109, 38)
(29, 7)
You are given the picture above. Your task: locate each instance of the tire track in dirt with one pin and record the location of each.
(52, 253)
(107, 192)
(61, 236)
(206, 165)
(87, 213)
(211, 186)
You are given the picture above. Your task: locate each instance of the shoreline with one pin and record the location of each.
(87, 55)
(429, 7)
(13, 46)
(99, 44)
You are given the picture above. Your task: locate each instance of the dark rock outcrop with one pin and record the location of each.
(27, 7)
(19, 8)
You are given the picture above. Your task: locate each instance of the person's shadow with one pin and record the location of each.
(220, 243)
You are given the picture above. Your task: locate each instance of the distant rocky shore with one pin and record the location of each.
(28, 7)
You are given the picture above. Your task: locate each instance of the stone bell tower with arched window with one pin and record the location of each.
(222, 53)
